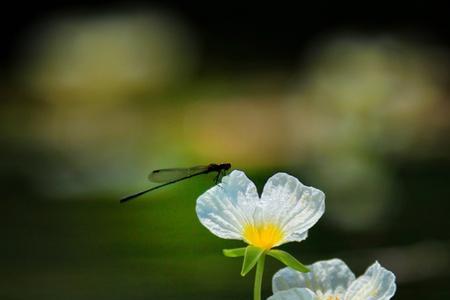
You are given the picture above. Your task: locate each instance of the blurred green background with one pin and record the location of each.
(94, 96)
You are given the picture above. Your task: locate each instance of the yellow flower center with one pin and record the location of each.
(263, 236)
(327, 296)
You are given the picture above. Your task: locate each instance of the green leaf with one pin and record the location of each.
(251, 257)
(236, 252)
(288, 260)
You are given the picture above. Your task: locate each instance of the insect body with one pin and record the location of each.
(173, 175)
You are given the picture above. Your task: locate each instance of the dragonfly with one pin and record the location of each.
(173, 175)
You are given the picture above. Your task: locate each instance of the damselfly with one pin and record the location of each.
(169, 176)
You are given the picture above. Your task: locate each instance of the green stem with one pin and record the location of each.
(258, 277)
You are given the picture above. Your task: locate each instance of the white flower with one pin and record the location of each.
(284, 213)
(333, 280)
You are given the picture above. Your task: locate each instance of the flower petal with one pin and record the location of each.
(293, 294)
(292, 205)
(225, 208)
(377, 283)
(329, 276)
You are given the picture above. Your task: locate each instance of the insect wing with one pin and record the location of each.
(166, 175)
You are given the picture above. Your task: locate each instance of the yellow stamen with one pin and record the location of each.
(263, 236)
(321, 296)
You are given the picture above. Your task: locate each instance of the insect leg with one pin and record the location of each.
(216, 179)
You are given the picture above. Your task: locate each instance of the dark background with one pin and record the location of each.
(233, 31)
(350, 98)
